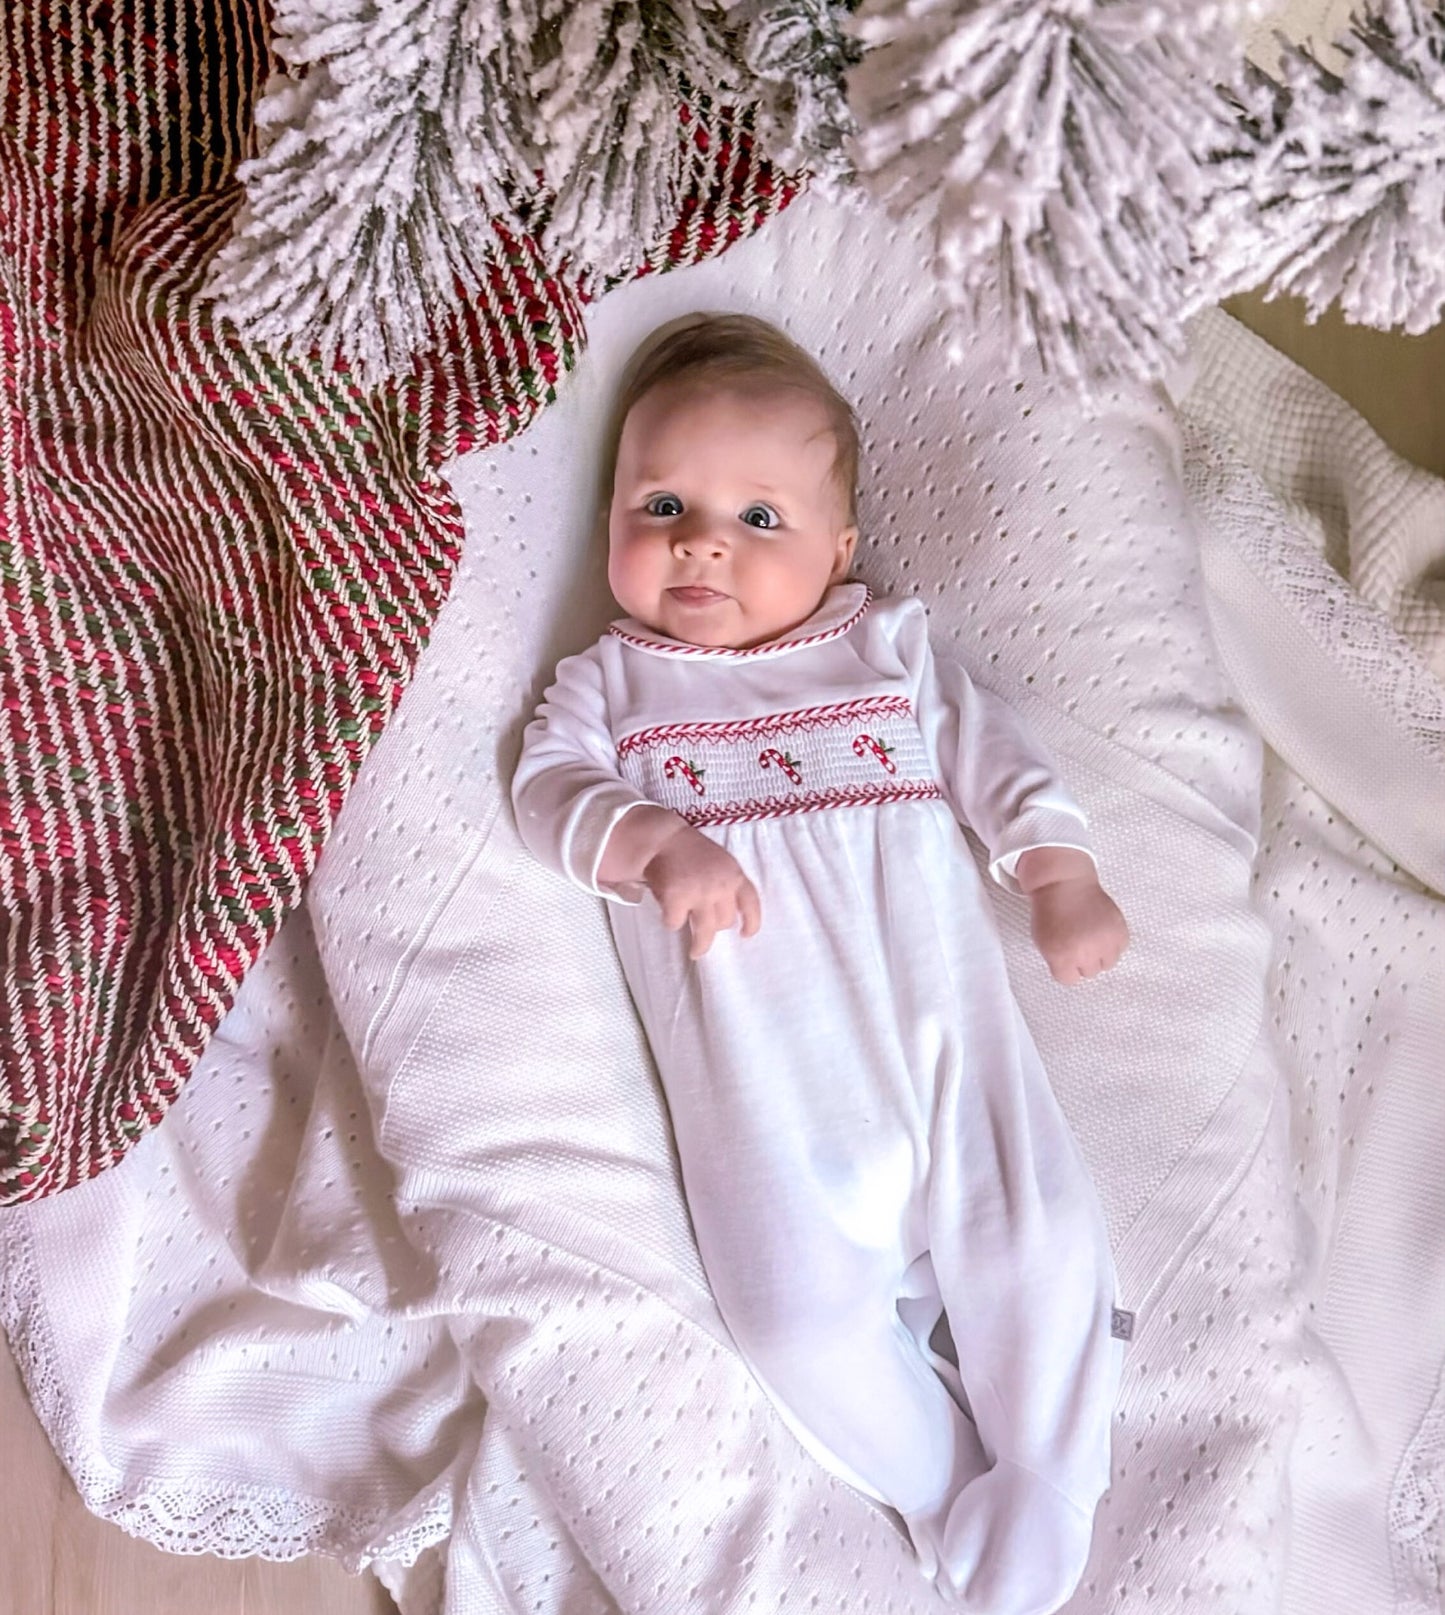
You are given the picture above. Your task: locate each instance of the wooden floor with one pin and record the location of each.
(57, 1559)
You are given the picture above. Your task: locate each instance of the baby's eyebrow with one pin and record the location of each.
(655, 479)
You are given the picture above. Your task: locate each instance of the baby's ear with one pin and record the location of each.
(847, 543)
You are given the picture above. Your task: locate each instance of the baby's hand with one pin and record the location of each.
(694, 879)
(1077, 927)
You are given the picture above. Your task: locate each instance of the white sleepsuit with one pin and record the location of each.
(865, 1131)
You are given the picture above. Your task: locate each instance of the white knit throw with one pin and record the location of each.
(407, 1277)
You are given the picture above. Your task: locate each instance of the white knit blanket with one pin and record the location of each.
(407, 1277)
(1324, 555)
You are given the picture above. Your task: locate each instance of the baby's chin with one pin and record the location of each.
(721, 624)
(722, 629)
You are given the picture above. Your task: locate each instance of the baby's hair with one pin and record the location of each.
(739, 350)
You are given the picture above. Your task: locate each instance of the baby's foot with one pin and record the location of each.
(1014, 1545)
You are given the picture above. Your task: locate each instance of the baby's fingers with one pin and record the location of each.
(676, 911)
(704, 929)
(1072, 968)
(743, 908)
(1065, 966)
(750, 907)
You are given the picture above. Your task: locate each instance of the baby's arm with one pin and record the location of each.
(567, 794)
(580, 818)
(694, 880)
(1000, 783)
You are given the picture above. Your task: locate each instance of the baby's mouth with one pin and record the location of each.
(696, 594)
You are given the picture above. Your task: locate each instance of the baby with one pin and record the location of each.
(765, 771)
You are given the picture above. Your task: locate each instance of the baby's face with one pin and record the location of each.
(727, 524)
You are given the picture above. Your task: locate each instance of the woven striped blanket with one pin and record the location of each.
(219, 564)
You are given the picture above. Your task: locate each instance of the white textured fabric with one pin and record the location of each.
(1294, 490)
(538, 1255)
(1343, 677)
(231, 1295)
(863, 1125)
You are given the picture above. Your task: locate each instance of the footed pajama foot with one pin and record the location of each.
(928, 1527)
(1013, 1545)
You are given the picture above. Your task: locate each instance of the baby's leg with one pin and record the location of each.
(804, 1150)
(1024, 1268)
(816, 1318)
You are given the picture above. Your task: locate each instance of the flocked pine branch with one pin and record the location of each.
(608, 80)
(1337, 195)
(798, 53)
(404, 128)
(1060, 147)
(607, 102)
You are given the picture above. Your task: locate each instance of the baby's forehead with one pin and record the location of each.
(731, 398)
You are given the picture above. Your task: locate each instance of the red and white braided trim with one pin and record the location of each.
(837, 796)
(777, 723)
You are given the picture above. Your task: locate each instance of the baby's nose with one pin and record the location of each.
(700, 536)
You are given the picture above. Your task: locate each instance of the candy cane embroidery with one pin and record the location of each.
(879, 748)
(735, 770)
(689, 771)
(789, 764)
(802, 720)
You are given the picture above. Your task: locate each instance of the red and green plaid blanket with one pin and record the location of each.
(218, 565)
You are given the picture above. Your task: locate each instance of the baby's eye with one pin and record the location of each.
(664, 504)
(761, 516)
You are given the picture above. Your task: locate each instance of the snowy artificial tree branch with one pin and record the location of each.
(1077, 157)
(607, 103)
(607, 95)
(404, 131)
(1060, 147)
(798, 53)
(404, 128)
(1338, 195)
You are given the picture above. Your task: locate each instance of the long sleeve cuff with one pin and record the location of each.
(1038, 827)
(629, 892)
(575, 845)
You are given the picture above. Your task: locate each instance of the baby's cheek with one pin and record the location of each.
(631, 574)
